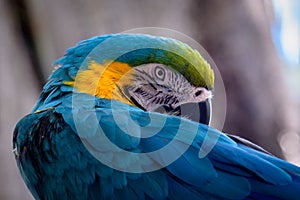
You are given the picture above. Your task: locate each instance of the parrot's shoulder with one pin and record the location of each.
(55, 164)
(49, 156)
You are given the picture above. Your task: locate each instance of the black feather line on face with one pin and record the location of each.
(150, 93)
(137, 104)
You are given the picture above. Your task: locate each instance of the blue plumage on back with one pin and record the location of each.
(62, 154)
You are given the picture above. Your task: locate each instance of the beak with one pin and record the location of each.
(205, 111)
(198, 112)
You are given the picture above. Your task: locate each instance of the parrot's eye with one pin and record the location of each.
(160, 73)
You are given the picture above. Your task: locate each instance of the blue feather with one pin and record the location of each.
(229, 171)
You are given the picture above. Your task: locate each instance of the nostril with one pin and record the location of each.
(199, 92)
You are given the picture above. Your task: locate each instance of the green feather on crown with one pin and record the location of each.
(172, 53)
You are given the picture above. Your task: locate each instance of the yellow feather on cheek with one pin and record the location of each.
(101, 80)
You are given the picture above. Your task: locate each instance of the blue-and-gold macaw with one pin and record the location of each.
(111, 123)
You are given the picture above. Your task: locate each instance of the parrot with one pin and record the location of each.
(127, 116)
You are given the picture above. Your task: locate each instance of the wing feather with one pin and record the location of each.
(54, 161)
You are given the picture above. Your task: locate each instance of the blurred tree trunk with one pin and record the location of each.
(68, 22)
(18, 90)
(237, 34)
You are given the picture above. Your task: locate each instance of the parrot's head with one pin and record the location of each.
(156, 85)
(152, 73)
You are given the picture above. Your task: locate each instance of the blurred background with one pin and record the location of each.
(255, 44)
